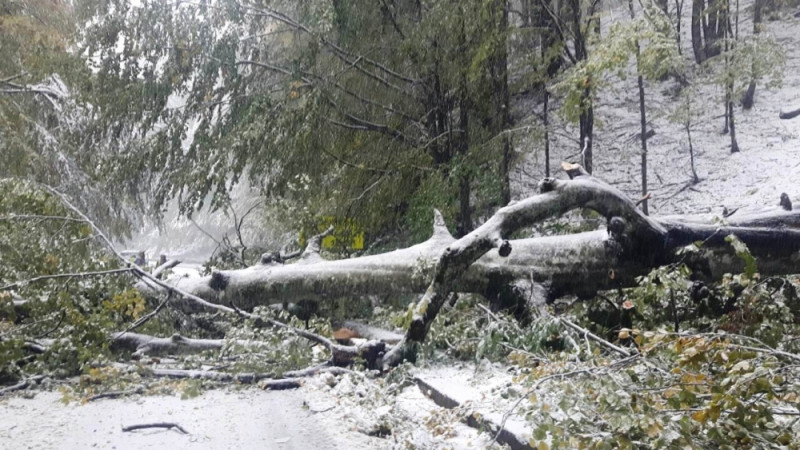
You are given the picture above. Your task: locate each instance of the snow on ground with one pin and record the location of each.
(768, 164)
(220, 419)
(326, 413)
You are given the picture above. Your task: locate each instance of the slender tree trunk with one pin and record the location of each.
(586, 120)
(464, 223)
(678, 16)
(642, 112)
(546, 134)
(505, 167)
(502, 119)
(749, 96)
(644, 141)
(695, 178)
(464, 191)
(586, 130)
(726, 129)
(549, 39)
(697, 31)
(729, 47)
(734, 143)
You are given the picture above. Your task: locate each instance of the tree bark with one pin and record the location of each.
(586, 119)
(500, 72)
(734, 142)
(642, 112)
(714, 26)
(587, 129)
(464, 191)
(749, 96)
(546, 120)
(697, 31)
(678, 18)
(574, 264)
(730, 43)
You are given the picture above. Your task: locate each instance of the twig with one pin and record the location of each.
(643, 199)
(322, 368)
(723, 336)
(768, 350)
(21, 385)
(155, 425)
(265, 380)
(144, 319)
(12, 77)
(490, 313)
(115, 394)
(527, 393)
(594, 337)
(63, 316)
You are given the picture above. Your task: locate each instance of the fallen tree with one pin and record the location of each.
(518, 274)
(521, 274)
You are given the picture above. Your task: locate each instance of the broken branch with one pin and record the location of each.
(167, 425)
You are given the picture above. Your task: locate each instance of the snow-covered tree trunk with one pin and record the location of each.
(518, 273)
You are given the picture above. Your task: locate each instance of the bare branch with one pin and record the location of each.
(65, 275)
(594, 337)
(21, 385)
(155, 425)
(39, 217)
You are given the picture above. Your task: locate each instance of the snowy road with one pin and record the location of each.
(218, 419)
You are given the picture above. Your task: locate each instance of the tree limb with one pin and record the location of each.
(155, 425)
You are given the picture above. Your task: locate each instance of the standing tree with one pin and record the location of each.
(612, 53)
(745, 59)
(642, 112)
(684, 113)
(543, 53)
(573, 24)
(708, 27)
(749, 96)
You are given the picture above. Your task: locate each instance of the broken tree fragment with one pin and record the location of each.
(790, 113)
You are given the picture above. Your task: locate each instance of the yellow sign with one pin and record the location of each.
(346, 233)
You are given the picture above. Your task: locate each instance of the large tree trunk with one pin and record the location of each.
(520, 272)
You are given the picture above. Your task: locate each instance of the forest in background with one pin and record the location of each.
(366, 116)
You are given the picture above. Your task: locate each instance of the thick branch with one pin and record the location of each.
(176, 344)
(557, 197)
